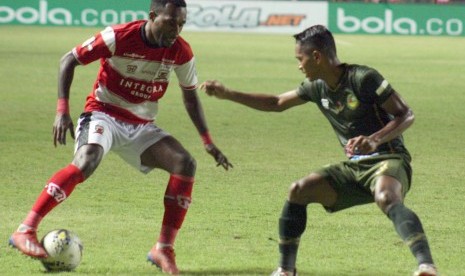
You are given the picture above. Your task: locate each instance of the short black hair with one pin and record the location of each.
(317, 37)
(157, 5)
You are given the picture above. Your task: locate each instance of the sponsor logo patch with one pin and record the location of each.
(184, 201)
(56, 192)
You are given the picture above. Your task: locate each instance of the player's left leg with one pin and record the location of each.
(389, 198)
(168, 154)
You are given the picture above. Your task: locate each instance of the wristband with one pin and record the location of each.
(63, 106)
(206, 138)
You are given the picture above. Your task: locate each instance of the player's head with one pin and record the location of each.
(159, 5)
(317, 37)
(166, 19)
(315, 48)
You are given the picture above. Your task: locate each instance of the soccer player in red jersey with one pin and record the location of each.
(368, 117)
(137, 59)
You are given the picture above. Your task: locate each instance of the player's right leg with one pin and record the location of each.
(86, 159)
(57, 189)
(311, 189)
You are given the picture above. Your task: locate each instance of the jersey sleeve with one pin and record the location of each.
(102, 45)
(187, 75)
(186, 71)
(374, 88)
(308, 91)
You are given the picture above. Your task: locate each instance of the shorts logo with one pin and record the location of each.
(56, 192)
(99, 129)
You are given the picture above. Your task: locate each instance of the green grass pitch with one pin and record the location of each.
(231, 228)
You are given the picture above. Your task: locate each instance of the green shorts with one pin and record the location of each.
(354, 181)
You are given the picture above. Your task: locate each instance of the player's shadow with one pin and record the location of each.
(263, 272)
(231, 272)
(257, 272)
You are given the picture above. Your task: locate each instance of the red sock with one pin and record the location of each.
(177, 200)
(58, 188)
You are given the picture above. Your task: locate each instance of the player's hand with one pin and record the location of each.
(214, 88)
(220, 159)
(360, 145)
(62, 124)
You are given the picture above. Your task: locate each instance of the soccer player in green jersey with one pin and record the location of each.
(369, 117)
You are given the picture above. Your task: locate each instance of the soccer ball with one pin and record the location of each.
(64, 249)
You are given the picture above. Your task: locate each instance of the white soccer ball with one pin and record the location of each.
(64, 249)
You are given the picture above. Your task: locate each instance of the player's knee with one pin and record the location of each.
(186, 164)
(385, 200)
(189, 162)
(295, 191)
(87, 159)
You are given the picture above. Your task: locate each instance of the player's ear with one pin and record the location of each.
(152, 15)
(316, 55)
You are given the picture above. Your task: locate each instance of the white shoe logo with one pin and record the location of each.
(31, 247)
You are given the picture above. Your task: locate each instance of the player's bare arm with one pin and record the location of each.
(195, 111)
(263, 102)
(403, 119)
(63, 121)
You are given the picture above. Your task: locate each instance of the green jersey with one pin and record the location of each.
(354, 107)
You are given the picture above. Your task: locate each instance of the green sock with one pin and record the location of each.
(291, 226)
(409, 228)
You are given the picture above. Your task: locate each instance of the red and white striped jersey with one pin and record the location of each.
(133, 75)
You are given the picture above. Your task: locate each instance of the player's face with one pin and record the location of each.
(167, 25)
(307, 63)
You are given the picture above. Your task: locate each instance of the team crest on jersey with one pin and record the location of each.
(131, 69)
(352, 101)
(99, 129)
(163, 75)
(166, 65)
